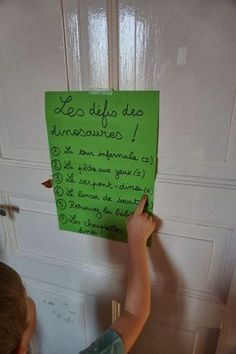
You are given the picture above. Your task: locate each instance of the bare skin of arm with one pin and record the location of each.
(137, 303)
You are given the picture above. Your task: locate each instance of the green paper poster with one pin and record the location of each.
(103, 148)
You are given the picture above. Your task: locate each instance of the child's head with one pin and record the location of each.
(15, 310)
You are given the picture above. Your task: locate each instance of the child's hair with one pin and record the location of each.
(13, 309)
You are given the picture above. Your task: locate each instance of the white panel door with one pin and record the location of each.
(187, 50)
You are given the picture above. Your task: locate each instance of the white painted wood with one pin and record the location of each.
(187, 50)
(8, 237)
(194, 88)
(202, 204)
(200, 270)
(64, 315)
(185, 199)
(51, 242)
(180, 340)
(231, 150)
(87, 43)
(210, 244)
(32, 61)
(167, 304)
(227, 343)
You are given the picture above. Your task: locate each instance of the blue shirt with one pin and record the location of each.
(108, 343)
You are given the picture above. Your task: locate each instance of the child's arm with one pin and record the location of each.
(137, 302)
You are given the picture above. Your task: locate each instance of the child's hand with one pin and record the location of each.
(140, 225)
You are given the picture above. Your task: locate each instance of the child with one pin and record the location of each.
(16, 308)
(17, 313)
(120, 338)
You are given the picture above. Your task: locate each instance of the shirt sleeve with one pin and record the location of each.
(108, 343)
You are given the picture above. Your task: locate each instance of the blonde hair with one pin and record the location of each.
(13, 309)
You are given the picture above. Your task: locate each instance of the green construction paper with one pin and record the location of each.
(103, 148)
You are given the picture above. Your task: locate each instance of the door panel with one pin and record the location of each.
(86, 32)
(185, 49)
(32, 59)
(63, 316)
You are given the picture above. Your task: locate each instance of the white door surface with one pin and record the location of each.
(187, 50)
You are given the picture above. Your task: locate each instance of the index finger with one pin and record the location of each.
(141, 205)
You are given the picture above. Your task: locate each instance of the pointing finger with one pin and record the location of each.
(141, 205)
